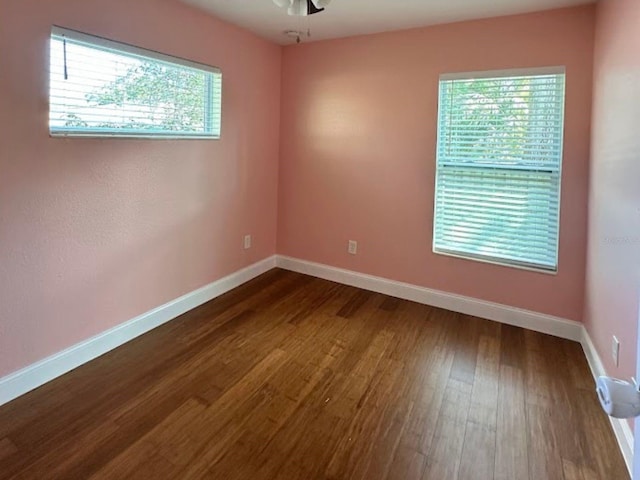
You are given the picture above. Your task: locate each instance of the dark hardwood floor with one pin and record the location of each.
(290, 377)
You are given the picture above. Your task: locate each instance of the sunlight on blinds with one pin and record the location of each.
(103, 88)
(499, 161)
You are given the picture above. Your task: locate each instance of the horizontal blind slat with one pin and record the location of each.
(115, 89)
(498, 168)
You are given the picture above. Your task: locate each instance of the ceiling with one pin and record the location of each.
(355, 17)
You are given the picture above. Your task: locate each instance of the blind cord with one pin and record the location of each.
(64, 50)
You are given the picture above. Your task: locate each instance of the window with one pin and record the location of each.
(499, 161)
(103, 88)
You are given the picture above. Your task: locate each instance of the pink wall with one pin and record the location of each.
(358, 135)
(613, 264)
(95, 232)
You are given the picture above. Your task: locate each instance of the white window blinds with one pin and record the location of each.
(499, 161)
(104, 88)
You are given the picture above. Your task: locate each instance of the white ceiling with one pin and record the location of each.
(354, 17)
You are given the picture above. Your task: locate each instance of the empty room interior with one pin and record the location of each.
(319, 239)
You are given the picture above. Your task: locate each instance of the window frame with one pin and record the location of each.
(143, 54)
(496, 74)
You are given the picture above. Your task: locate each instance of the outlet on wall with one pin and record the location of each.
(247, 242)
(353, 247)
(615, 350)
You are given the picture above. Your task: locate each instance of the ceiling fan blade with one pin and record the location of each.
(302, 8)
(298, 8)
(313, 8)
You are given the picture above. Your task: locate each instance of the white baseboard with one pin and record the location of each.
(621, 427)
(518, 317)
(37, 374)
(33, 376)
(538, 322)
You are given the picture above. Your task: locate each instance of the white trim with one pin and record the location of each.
(494, 261)
(518, 317)
(621, 427)
(514, 72)
(132, 50)
(39, 373)
(128, 136)
(212, 93)
(538, 322)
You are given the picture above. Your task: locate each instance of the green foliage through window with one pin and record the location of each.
(98, 89)
(498, 168)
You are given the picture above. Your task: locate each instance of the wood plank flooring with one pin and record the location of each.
(291, 377)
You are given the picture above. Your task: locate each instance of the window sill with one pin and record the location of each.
(132, 136)
(498, 263)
